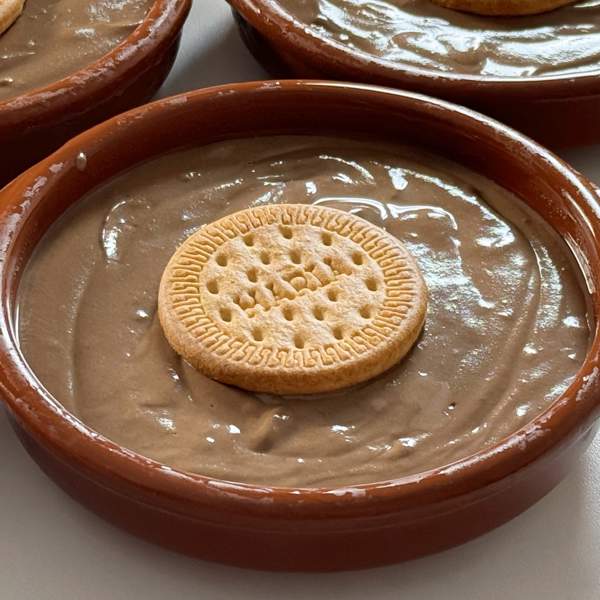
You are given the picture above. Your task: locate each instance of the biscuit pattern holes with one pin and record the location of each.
(286, 232)
(326, 238)
(222, 260)
(225, 314)
(371, 284)
(358, 258)
(296, 257)
(212, 287)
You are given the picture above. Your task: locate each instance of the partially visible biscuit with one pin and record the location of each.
(292, 299)
(504, 8)
(10, 10)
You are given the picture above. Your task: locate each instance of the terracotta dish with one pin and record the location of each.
(285, 528)
(558, 110)
(34, 124)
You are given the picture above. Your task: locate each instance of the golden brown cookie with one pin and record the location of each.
(10, 10)
(504, 8)
(292, 299)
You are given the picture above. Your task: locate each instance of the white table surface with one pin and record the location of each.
(51, 548)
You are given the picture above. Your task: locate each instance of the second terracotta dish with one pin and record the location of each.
(513, 68)
(67, 65)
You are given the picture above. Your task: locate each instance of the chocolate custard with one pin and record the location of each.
(419, 33)
(54, 38)
(505, 333)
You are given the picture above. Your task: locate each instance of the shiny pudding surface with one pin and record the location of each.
(506, 329)
(55, 38)
(419, 33)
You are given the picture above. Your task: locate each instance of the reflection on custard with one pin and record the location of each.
(505, 333)
(421, 34)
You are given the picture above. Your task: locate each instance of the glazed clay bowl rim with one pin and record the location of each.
(151, 482)
(56, 98)
(272, 21)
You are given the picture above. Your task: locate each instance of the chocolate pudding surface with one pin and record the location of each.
(419, 33)
(506, 330)
(55, 38)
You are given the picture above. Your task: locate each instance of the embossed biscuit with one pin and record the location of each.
(506, 8)
(10, 11)
(292, 299)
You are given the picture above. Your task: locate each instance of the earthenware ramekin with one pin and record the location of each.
(276, 527)
(559, 111)
(36, 123)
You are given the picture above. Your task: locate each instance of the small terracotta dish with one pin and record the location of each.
(557, 110)
(275, 527)
(36, 123)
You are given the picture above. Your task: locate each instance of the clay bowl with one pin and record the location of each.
(283, 528)
(36, 123)
(558, 111)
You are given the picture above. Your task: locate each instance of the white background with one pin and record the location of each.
(51, 548)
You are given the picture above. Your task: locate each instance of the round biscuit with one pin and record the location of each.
(504, 8)
(292, 299)
(10, 10)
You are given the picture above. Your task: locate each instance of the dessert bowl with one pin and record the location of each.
(37, 122)
(286, 528)
(558, 110)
